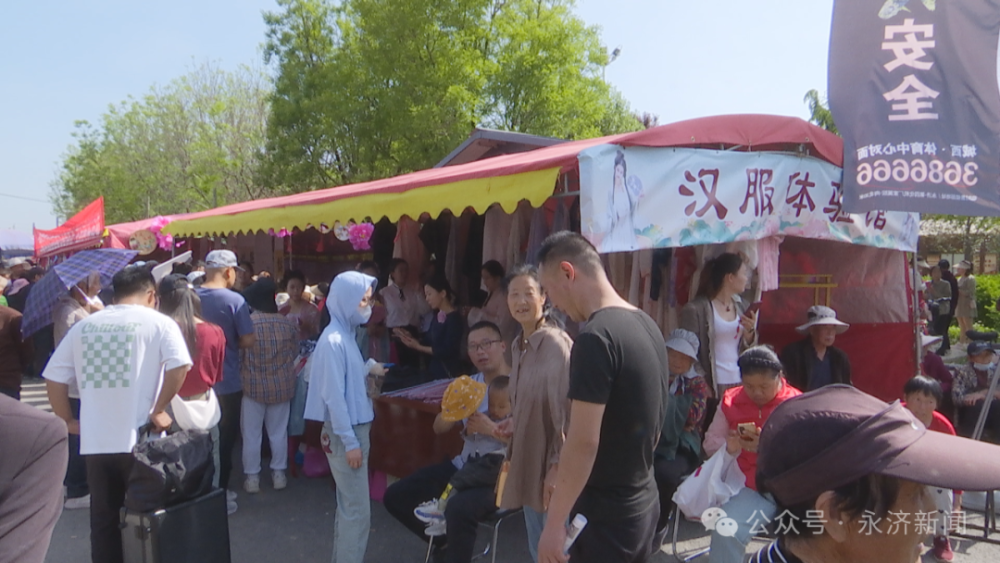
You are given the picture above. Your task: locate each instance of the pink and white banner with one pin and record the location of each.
(640, 197)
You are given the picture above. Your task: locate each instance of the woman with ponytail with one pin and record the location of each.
(206, 343)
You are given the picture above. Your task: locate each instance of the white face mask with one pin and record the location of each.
(365, 313)
(985, 367)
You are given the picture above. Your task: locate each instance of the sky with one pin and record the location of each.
(68, 61)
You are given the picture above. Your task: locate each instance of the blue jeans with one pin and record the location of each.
(354, 509)
(752, 511)
(534, 523)
(76, 469)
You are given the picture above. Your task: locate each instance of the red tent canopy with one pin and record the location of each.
(504, 179)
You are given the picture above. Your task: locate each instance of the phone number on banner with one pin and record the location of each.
(918, 171)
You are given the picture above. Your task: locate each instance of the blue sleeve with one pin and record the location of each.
(447, 341)
(330, 373)
(244, 324)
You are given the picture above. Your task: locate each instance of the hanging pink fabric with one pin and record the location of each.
(767, 262)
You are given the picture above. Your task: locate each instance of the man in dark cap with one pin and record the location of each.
(846, 469)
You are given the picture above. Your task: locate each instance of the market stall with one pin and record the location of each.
(691, 201)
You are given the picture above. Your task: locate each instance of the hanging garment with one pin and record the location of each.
(496, 236)
(560, 221)
(519, 231)
(539, 231)
(409, 247)
(767, 266)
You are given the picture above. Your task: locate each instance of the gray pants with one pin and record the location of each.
(354, 510)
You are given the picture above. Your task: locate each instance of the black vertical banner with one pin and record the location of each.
(913, 90)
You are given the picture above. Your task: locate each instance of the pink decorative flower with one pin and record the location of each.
(158, 223)
(360, 235)
(283, 233)
(165, 242)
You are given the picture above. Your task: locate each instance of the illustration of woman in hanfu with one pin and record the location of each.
(622, 203)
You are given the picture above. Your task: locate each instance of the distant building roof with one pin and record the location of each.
(487, 143)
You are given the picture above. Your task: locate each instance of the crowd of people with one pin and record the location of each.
(946, 298)
(607, 423)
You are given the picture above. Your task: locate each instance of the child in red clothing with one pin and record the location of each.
(922, 395)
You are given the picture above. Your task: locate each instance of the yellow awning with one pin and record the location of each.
(383, 198)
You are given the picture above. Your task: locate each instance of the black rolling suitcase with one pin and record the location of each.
(196, 531)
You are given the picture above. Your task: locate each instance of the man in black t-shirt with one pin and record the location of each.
(618, 391)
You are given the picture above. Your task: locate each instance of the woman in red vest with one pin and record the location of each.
(736, 426)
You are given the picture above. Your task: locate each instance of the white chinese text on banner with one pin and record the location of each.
(913, 91)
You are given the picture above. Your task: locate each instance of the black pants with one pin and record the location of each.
(669, 474)
(76, 469)
(968, 416)
(229, 432)
(107, 476)
(12, 393)
(941, 328)
(632, 539)
(463, 513)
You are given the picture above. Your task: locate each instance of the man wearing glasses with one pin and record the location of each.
(467, 507)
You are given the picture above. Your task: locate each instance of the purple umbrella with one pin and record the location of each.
(38, 310)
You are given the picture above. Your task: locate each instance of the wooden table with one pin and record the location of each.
(403, 438)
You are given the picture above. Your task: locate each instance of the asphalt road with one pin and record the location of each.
(296, 525)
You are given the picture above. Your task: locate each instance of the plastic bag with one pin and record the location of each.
(710, 486)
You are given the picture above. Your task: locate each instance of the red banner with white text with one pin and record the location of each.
(83, 230)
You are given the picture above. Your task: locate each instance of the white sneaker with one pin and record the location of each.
(77, 503)
(279, 480)
(252, 484)
(438, 528)
(231, 506)
(231, 496)
(429, 512)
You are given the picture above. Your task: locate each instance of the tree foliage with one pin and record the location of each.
(959, 233)
(188, 146)
(819, 112)
(367, 89)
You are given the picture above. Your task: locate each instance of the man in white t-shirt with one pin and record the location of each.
(128, 361)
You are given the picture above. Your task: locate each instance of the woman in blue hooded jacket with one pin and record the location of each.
(338, 397)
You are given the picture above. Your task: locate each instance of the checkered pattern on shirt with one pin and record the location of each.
(107, 360)
(268, 369)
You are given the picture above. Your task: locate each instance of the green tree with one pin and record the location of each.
(188, 146)
(819, 111)
(972, 236)
(367, 89)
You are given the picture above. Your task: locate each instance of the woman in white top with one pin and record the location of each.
(721, 320)
(404, 306)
